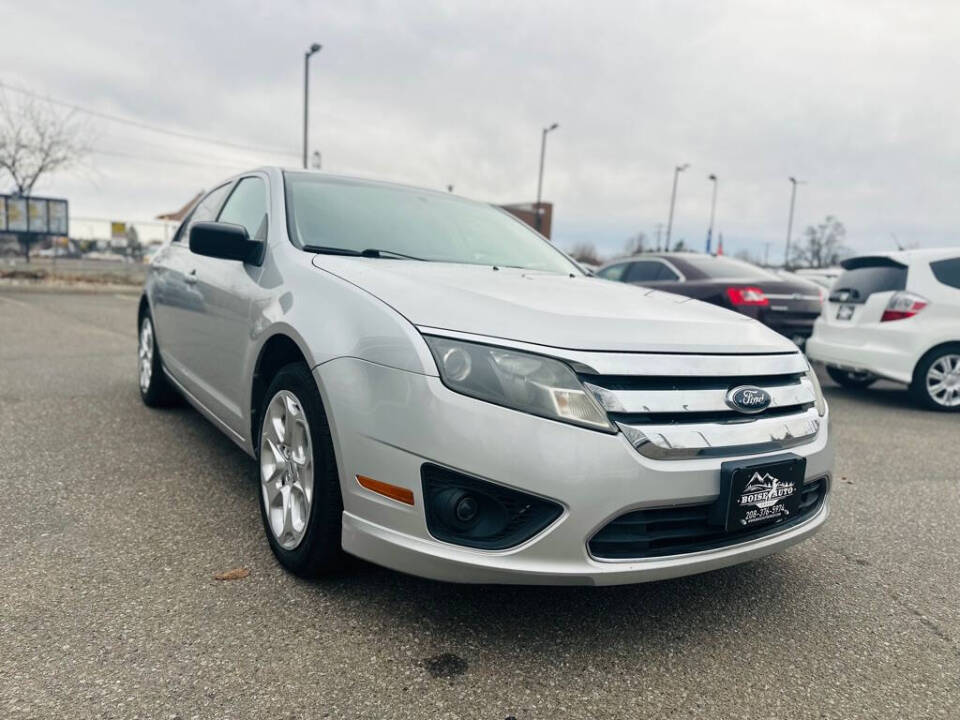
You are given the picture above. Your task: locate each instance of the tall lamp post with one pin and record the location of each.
(543, 152)
(315, 48)
(673, 199)
(713, 209)
(793, 198)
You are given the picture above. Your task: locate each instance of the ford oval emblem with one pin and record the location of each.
(748, 399)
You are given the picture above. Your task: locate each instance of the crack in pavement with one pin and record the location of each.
(934, 627)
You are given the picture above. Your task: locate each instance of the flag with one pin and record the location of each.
(709, 232)
(720, 244)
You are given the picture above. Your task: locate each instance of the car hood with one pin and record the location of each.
(560, 311)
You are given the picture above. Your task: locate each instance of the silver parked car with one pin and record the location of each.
(427, 383)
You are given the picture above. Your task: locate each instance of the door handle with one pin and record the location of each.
(191, 278)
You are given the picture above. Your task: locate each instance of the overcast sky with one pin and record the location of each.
(857, 98)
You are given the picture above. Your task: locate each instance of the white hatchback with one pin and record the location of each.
(895, 316)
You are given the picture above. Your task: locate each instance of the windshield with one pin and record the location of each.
(724, 267)
(357, 216)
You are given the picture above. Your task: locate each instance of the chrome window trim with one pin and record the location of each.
(791, 296)
(683, 278)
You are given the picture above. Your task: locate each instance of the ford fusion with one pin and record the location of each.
(427, 383)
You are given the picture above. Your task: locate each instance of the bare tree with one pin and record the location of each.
(822, 245)
(749, 256)
(586, 252)
(35, 141)
(636, 244)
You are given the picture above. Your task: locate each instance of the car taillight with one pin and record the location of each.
(903, 305)
(747, 296)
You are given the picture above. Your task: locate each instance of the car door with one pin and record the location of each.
(218, 337)
(175, 300)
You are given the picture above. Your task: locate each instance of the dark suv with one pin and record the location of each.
(788, 306)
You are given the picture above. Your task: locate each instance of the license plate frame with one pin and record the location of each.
(755, 494)
(846, 311)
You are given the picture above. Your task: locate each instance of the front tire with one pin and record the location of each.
(300, 501)
(155, 389)
(851, 379)
(936, 380)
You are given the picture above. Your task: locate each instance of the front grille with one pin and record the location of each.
(659, 532)
(678, 416)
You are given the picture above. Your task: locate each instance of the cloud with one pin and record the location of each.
(853, 97)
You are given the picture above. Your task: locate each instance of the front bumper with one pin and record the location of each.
(386, 423)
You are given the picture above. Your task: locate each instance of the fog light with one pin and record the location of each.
(468, 511)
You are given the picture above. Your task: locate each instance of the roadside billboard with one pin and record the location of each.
(34, 215)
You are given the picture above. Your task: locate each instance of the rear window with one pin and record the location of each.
(947, 271)
(857, 284)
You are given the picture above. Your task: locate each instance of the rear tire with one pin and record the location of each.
(300, 501)
(155, 388)
(850, 379)
(936, 379)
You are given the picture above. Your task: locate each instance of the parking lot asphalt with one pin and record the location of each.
(115, 518)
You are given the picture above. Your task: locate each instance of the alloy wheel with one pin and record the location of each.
(943, 381)
(286, 469)
(145, 354)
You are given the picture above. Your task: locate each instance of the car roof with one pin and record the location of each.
(653, 256)
(906, 257)
(354, 180)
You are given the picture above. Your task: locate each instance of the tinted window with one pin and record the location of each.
(247, 206)
(614, 272)
(645, 271)
(205, 210)
(707, 266)
(857, 284)
(667, 273)
(947, 271)
(427, 225)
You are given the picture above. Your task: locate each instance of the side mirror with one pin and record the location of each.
(225, 241)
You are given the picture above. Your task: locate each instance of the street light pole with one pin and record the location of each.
(673, 199)
(315, 48)
(713, 209)
(793, 198)
(543, 152)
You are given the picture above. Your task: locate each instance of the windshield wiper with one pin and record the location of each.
(368, 252)
(324, 250)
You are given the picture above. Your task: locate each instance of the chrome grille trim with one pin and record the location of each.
(691, 440)
(694, 400)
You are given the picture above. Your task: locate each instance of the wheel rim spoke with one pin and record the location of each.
(943, 381)
(286, 469)
(145, 354)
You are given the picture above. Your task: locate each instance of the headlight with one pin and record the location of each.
(522, 381)
(820, 402)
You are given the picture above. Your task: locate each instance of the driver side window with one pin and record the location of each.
(206, 209)
(247, 206)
